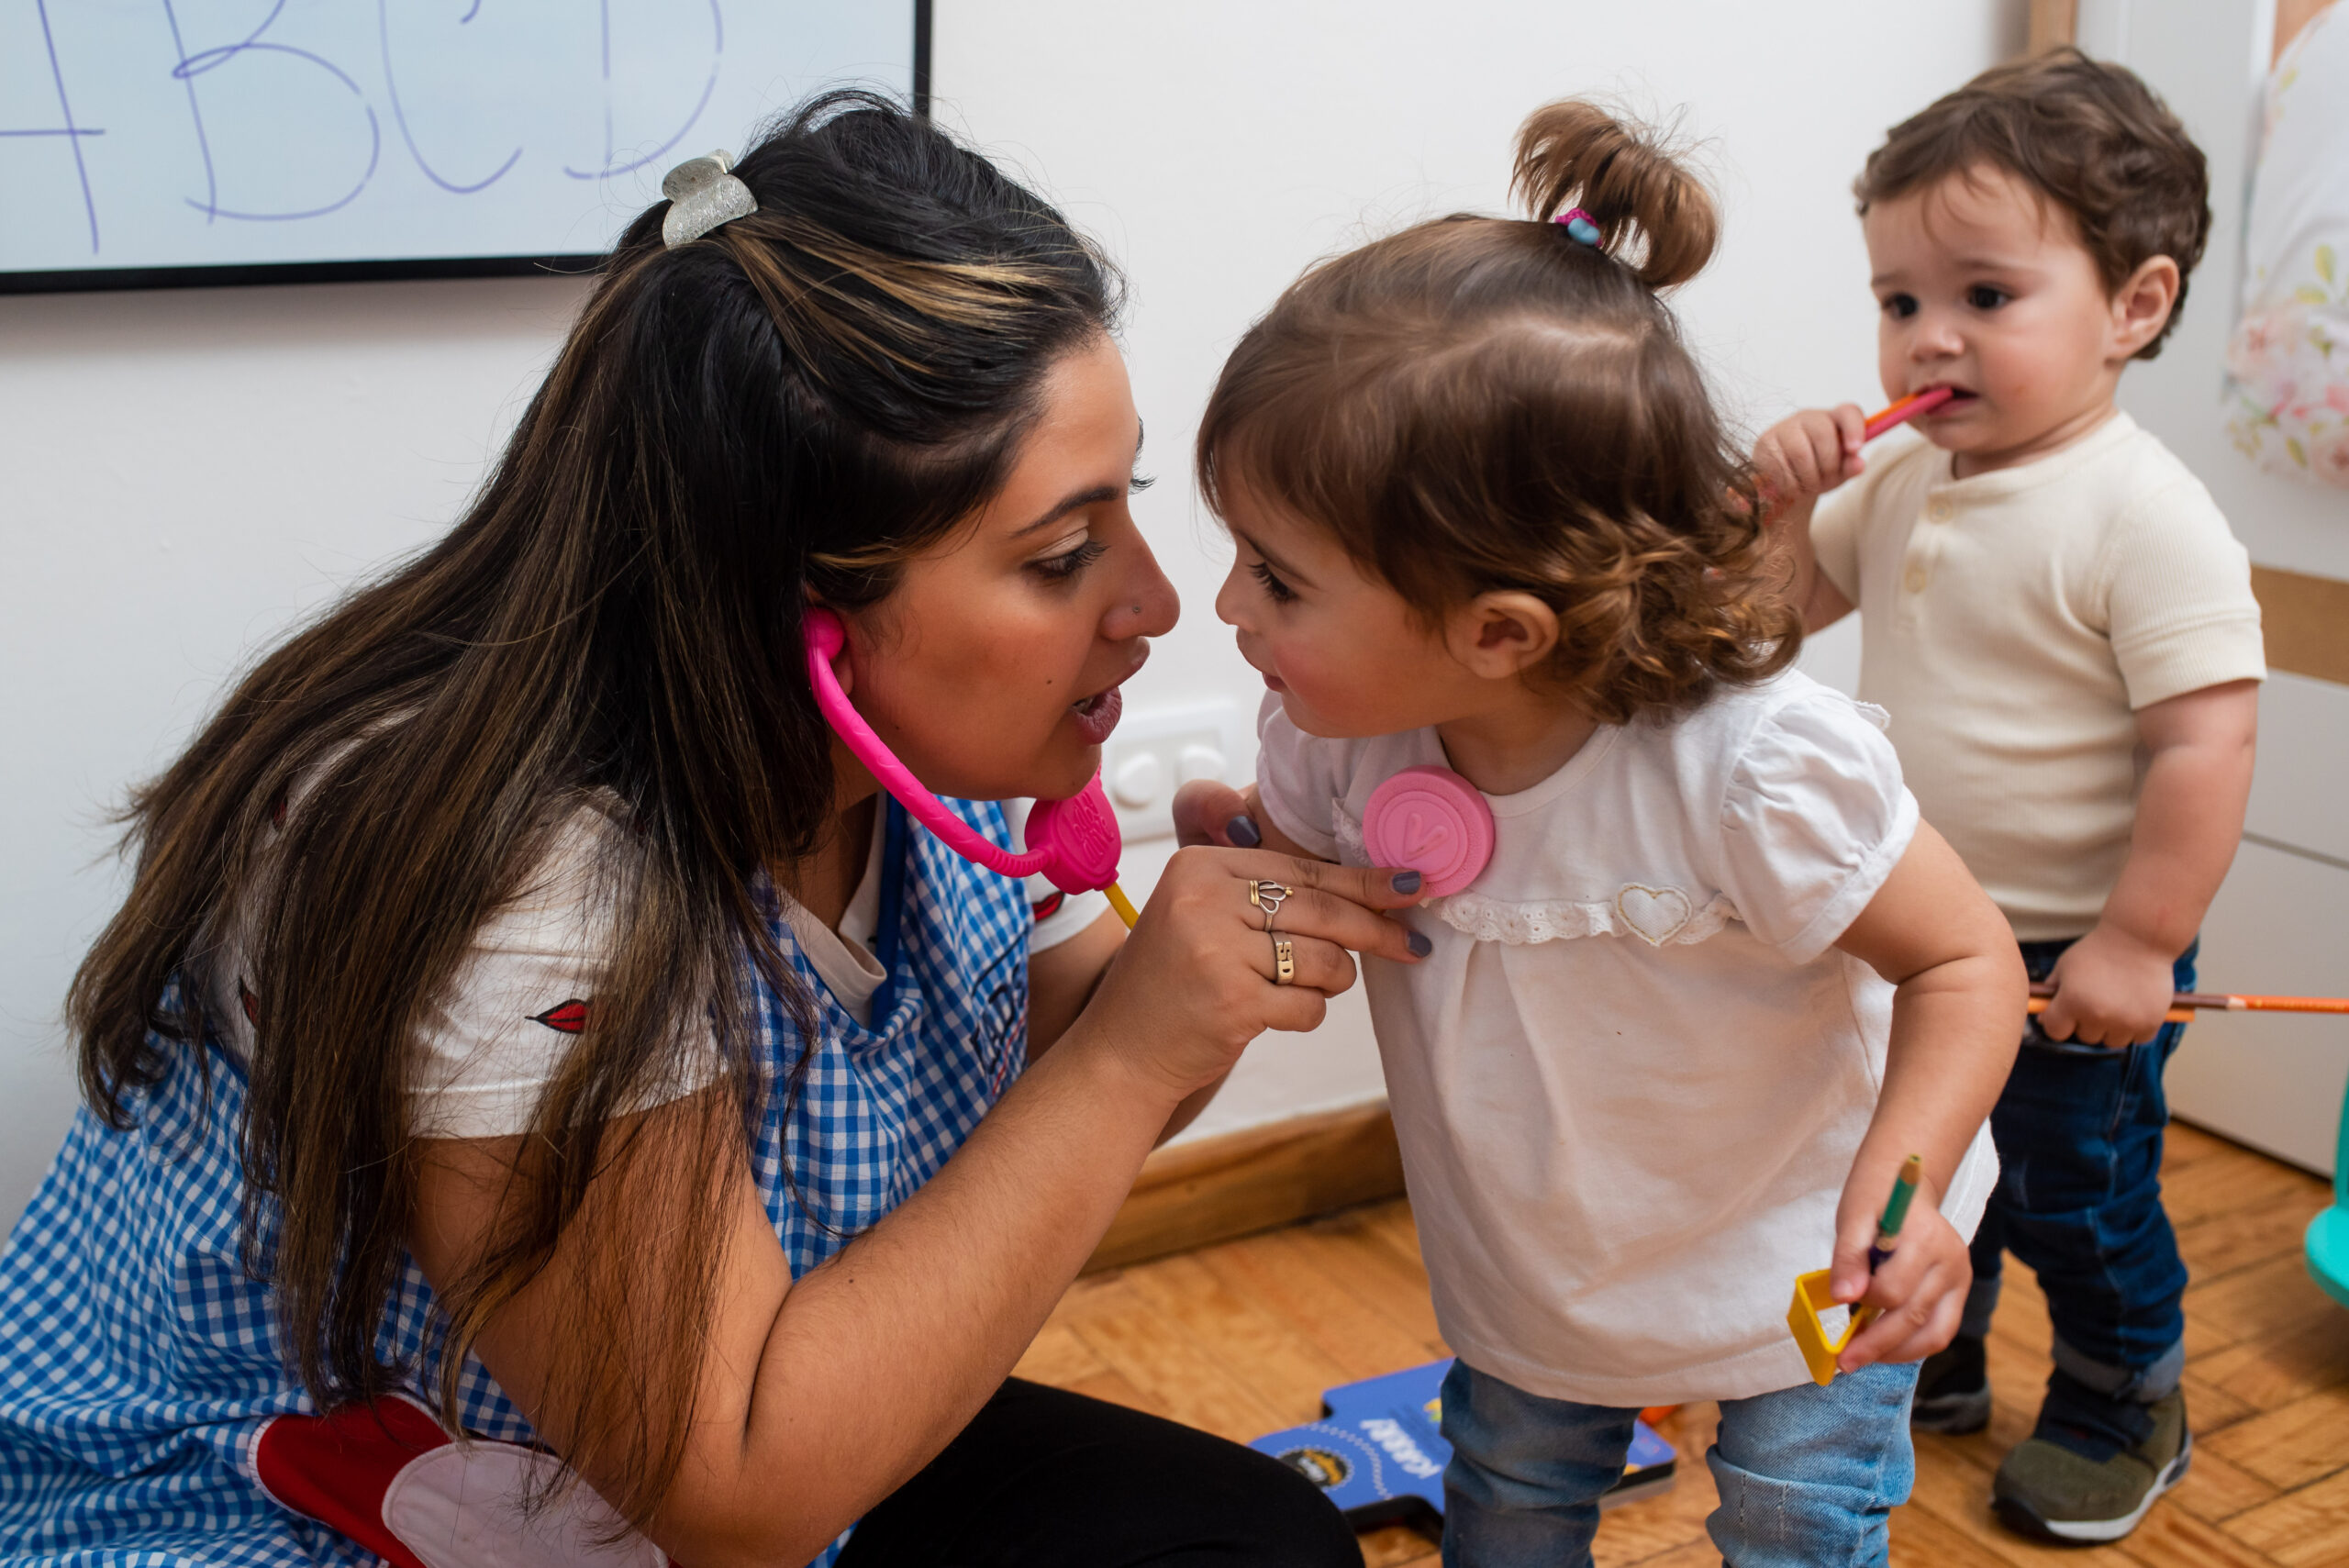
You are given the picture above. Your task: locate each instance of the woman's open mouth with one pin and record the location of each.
(1097, 714)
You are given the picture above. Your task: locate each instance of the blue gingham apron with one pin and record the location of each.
(140, 1365)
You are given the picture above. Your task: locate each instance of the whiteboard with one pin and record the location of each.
(149, 143)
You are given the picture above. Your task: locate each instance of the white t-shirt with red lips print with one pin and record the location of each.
(492, 1041)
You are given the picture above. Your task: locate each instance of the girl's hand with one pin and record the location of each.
(1920, 1290)
(1810, 453)
(1196, 983)
(1207, 812)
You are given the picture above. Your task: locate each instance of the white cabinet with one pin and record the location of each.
(2272, 1080)
(2280, 925)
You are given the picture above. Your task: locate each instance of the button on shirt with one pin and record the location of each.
(2012, 622)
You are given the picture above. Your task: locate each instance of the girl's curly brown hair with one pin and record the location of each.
(1480, 404)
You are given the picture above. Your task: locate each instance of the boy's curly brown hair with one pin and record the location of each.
(1481, 404)
(2088, 137)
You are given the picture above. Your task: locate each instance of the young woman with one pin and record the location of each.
(527, 1026)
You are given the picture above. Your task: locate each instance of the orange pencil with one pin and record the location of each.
(1907, 409)
(2038, 1005)
(2183, 1003)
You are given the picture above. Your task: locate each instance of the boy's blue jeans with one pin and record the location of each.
(1808, 1475)
(2079, 1200)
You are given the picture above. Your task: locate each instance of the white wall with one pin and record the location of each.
(183, 473)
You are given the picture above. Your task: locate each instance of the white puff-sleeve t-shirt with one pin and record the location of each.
(1630, 1079)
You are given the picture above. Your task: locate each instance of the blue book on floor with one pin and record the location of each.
(1378, 1454)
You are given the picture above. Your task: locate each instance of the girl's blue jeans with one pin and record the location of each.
(1808, 1475)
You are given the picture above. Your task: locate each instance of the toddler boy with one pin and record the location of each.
(2063, 628)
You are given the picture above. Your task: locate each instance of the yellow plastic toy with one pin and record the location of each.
(1817, 1352)
(1811, 1290)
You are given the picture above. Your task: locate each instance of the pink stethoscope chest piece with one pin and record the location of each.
(1434, 821)
(1081, 836)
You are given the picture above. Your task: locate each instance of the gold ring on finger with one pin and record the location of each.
(1268, 897)
(1283, 961)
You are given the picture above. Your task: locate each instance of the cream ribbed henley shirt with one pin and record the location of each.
(2012, 622)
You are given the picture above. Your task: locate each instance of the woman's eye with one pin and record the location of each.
(1900, 306)
(1277, 591)
(1982, 296)
(1140, 483)
(1069, 563)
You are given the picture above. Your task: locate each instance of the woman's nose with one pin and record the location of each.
(1146, 606)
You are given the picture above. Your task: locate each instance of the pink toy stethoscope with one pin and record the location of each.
(1428, 818)
(1073, 843)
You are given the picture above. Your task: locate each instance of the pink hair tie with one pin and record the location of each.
(1580, 226)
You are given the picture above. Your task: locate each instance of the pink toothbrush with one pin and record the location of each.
(1074, 842)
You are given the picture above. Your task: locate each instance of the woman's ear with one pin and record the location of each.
(2142, 305)
(1502, 634)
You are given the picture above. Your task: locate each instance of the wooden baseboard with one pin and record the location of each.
(2306, 621)
(1218, 1188)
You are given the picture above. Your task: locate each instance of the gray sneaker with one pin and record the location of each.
(1952, 1390)
(2094, 1465)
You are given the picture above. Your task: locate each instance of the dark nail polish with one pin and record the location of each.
(1243, 832)
(1420, 944)
(1407, 882)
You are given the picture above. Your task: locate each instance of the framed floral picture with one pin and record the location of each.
(2286, 395)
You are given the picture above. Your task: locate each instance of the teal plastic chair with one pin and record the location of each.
(2328, 1241)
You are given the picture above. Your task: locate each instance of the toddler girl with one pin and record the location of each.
(1669, 1051)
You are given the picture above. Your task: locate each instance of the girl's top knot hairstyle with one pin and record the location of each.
(1478, 403)
(1575, 154)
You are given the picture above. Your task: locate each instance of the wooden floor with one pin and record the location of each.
(1240, 1339)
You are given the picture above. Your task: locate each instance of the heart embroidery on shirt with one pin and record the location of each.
(1655, 915)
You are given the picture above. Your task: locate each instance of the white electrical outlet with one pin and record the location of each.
(1155, 751)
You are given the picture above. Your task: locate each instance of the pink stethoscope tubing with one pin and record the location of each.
(826, 638)
(1073, 843)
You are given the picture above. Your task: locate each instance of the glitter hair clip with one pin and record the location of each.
(1580, 227)
(703, 193)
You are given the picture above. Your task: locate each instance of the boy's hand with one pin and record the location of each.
(1810, 453)
(1920, 1290)
(2111, 990)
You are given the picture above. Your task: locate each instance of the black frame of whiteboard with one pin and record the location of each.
(96, 280)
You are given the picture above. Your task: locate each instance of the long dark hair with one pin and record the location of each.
(794, 402)
(1481, 402)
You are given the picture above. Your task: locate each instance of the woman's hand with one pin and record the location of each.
(817, 1397)
(1195, 982)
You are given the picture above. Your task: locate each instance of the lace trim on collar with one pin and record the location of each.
(1657, 916)
(1522, 925)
